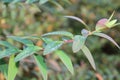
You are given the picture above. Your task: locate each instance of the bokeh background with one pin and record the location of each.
(33, 19)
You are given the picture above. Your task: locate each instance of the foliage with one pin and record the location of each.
(51, 46)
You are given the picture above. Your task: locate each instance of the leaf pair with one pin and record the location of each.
(54, 45)
(79, 44)
(29, 50)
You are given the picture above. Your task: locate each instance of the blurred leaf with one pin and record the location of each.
(89, 56)
(66, 60)
(42, 66)
(101, 24)
(7, 44)
(12, 69)
(15, 1)
(57, 4)
(6, 1)
(47, 40)
(52, 47)
(111, 23)
(43, 1)
(31, 1)
(27, 52)
(8, 52)
(78, 43)
(3, 67)
(24, 41)
(116, 24)
(62, 33)
(76, 18)
(31, 37)
(84, 32)
(111, 16)
(107, 37)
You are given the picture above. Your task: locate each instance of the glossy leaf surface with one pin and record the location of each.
(52, 47)
(42, 65)
(12, 69)
(87, 53)
(27, 52)
(78, 43)
(66, 60)
(62, 33)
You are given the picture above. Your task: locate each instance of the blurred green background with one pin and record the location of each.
(33, 19)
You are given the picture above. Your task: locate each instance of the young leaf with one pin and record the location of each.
(111, 23)
(22, 40)
(116, 24)
(89, 56)
(84, 32)
(8, 52)
(12, 69)
(42, 66)
(62, 33)
(6, 44)
(27, 52)
(78, 43)
(101, 24)
(107, 37)
(43, 1)
(66, 60)
(52, 47)
(111, 16)
(76, 18)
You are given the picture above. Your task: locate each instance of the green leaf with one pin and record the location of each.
(76, 18)
(15, 1)
(111, 16)
(62, 33)
(107, 37)
(32, 37)
(12, 69)
(31, 1)
(47, 40)
(8, 52)
(22, 40)
(66, 60)
(6, 44)
(57, 4)
(7, 1)
(89, 56)
(42, 66)
(78, 43)
(52, 47)
(116, 24)
(27, 52)
(43, 1)
(111, 23)
(3, 67)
